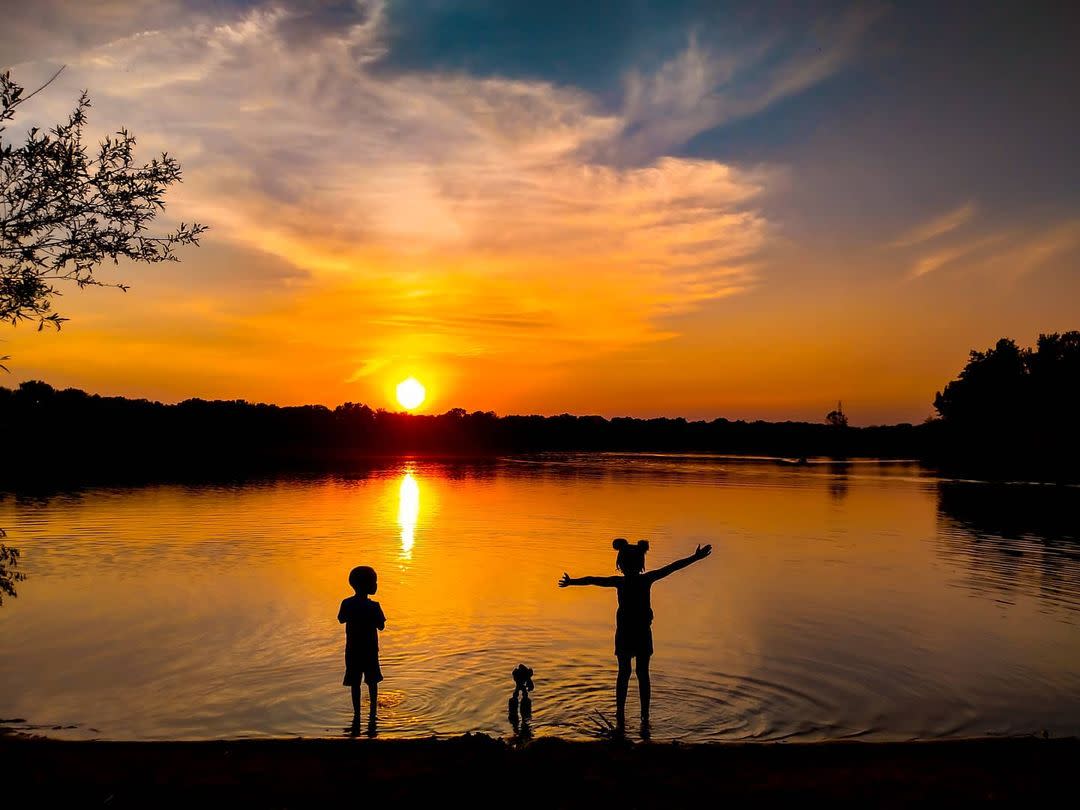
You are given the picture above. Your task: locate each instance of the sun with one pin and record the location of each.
(410, 393)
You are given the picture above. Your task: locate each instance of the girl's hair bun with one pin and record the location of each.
(619, 543)
(643, 545)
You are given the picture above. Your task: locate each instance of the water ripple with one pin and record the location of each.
(869, 601)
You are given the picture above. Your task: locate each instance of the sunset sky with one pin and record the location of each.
(675, 208)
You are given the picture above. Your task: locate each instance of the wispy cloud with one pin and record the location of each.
(705, 87)
(482, 192)
(938, 226)
(1007, 253)
(1031, 251)
(948, 255)
(367, 368)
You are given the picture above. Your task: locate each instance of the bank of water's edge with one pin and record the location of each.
(548, 771)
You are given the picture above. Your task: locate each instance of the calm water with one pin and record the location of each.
(869, 600)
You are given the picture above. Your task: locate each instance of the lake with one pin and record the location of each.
(869, 600)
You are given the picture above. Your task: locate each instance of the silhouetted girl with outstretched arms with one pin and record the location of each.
(633, 621)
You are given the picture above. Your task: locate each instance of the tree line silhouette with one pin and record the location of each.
(1010, 410)
(71, 432)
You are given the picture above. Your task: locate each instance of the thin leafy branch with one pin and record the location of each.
(65, 211)
(9, 573)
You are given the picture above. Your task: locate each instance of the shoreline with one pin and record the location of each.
(364, 464)
(546, 771)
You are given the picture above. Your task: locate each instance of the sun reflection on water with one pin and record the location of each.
(408, 513)
(768, 639)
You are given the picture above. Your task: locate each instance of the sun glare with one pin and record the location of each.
(408, 512)
(410, 393)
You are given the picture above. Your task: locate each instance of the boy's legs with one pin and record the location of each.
(373, 700)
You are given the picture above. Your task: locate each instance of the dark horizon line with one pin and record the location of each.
(69, 432)
(404, 412)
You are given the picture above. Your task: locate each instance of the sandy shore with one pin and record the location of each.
(548, 772)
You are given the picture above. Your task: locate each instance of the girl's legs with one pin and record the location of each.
(644, 685)
(355, 688)
(373, 697)
(621, 685)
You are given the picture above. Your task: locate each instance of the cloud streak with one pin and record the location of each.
(938, 226)
(1006, 253)
(703, 88)
(948, 255)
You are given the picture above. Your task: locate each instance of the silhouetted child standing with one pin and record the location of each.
(363, 619)
(633, 620)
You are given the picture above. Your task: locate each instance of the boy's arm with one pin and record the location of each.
(381, 619)
(341, 617)
(603, 582)
(700, 554)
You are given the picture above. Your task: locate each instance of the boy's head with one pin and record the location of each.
(364, 580)
(631, 558)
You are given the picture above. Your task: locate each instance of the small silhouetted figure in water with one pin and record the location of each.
(363, 619)
(633, 620)
(523, 684)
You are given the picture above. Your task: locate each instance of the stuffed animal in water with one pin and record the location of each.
(523, 684)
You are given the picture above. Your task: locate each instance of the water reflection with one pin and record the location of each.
(870, 601)
(408, 513)
(838, 481)
(1010, 540)
(9, 573)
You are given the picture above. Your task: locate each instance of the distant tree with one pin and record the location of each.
(1055, 377)
(991, 389)
(1011, 403)
(63, 212)
(837, 418)
(1009, 384)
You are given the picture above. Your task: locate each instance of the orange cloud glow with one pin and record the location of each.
(517, 244)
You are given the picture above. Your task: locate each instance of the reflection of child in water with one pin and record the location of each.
(363, 619)
(633, 620)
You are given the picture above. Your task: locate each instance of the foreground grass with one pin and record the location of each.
(479, 770)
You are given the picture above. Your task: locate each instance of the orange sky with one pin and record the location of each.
(523, 243)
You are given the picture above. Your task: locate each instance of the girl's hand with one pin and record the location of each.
(702, 552)
(565, 580)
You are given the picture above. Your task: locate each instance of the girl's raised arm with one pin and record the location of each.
(700, 554)
(603, 582)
